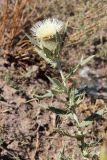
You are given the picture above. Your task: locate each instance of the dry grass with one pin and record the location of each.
(89, 20)
(17, 17)
(13, 24)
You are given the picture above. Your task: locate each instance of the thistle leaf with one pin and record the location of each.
(80, 64)
(32, 40)
(58, 86)
(48, 53)
(47, 95)
(85, 61)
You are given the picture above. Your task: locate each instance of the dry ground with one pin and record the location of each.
(26, 125)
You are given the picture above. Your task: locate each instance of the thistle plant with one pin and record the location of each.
(48, 40)
(49, 37)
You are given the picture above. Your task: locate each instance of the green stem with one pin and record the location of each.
(61, 73)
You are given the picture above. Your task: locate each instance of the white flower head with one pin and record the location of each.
(47, 29)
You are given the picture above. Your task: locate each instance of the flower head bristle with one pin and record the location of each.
(47, 29)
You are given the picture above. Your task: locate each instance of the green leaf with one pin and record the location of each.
(45, 53)
(75, 118)
(51, 80)
(32, 40)
(58, 38)
(1, 142)
(75, 98)
(48, 53)
(47, 95)
(80, 64)
(58, 111)
(59, 43)
(89, 120)
(85, 123)
(72, 71)
(61, 155)
(41, 54)
(102, 111)
(37, 48)
(57, 51)
(85, 61)
(57, 84)
(65, 28)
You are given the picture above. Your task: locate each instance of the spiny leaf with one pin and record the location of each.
(57, 83)
(85, 61)
(58, 38)
(48, 53)
(58, 111)
(47, 95)
(32, 40)
(80, 64)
